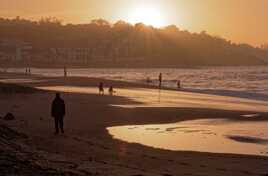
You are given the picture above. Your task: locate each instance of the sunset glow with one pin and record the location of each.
(246, 24)
(147, 15)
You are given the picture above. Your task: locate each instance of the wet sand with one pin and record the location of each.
(87, 148)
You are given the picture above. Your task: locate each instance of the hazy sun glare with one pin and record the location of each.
(246, 24)
(147, 15)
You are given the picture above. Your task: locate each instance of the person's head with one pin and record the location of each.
(57, 95)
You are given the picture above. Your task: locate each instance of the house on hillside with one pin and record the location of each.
(14, 50)
(71, 55)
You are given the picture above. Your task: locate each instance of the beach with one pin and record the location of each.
(87, 148)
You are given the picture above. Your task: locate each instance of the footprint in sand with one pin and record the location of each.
(174, 128)
(153, 129)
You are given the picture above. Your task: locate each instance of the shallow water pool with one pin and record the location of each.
(214, 136)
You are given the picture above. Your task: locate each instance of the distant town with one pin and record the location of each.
(20, 52)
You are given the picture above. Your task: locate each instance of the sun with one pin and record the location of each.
(147, 15)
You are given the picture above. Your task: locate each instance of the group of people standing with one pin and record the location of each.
(111, 91)
(28, 70)
(58, 105)
(101, 89)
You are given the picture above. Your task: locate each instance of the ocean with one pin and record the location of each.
(247, 82)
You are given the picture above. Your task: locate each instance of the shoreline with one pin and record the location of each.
(211, 91)
(60, 66)
(88, 144)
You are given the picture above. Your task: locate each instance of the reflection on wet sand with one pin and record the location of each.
(151, 98)
(21, 80)
(216, 136)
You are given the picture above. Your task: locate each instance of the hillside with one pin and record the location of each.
(123, 44)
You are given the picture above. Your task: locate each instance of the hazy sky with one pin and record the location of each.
(238, 20)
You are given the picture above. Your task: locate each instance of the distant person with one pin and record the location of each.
(101, 88)
(58, 112)
(111, 90)
(160, 80)
(179, 84)
(65, 71)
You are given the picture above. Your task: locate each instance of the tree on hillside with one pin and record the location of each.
(168, 46)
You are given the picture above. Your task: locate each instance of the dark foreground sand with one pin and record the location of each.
(29, 147)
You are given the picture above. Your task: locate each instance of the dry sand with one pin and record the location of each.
(87, 149)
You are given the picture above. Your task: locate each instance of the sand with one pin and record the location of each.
(87, 149)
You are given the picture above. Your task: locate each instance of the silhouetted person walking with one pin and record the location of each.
(111, 90)
(160, 80)
(179, 84)
(101, 88)
(58, 112)
(65, 71)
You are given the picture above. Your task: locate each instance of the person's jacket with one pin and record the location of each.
(58, 108)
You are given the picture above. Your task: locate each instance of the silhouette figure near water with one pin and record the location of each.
(101, 88)
(28, 70)
(65, 71)
(179, 84)
(160, 80)
(58, 112)
(111, 90)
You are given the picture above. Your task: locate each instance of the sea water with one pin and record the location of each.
(247, 82)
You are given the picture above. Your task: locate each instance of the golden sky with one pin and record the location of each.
(238, 20)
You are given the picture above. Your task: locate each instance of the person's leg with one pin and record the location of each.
(56, 125)
(62, 124)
